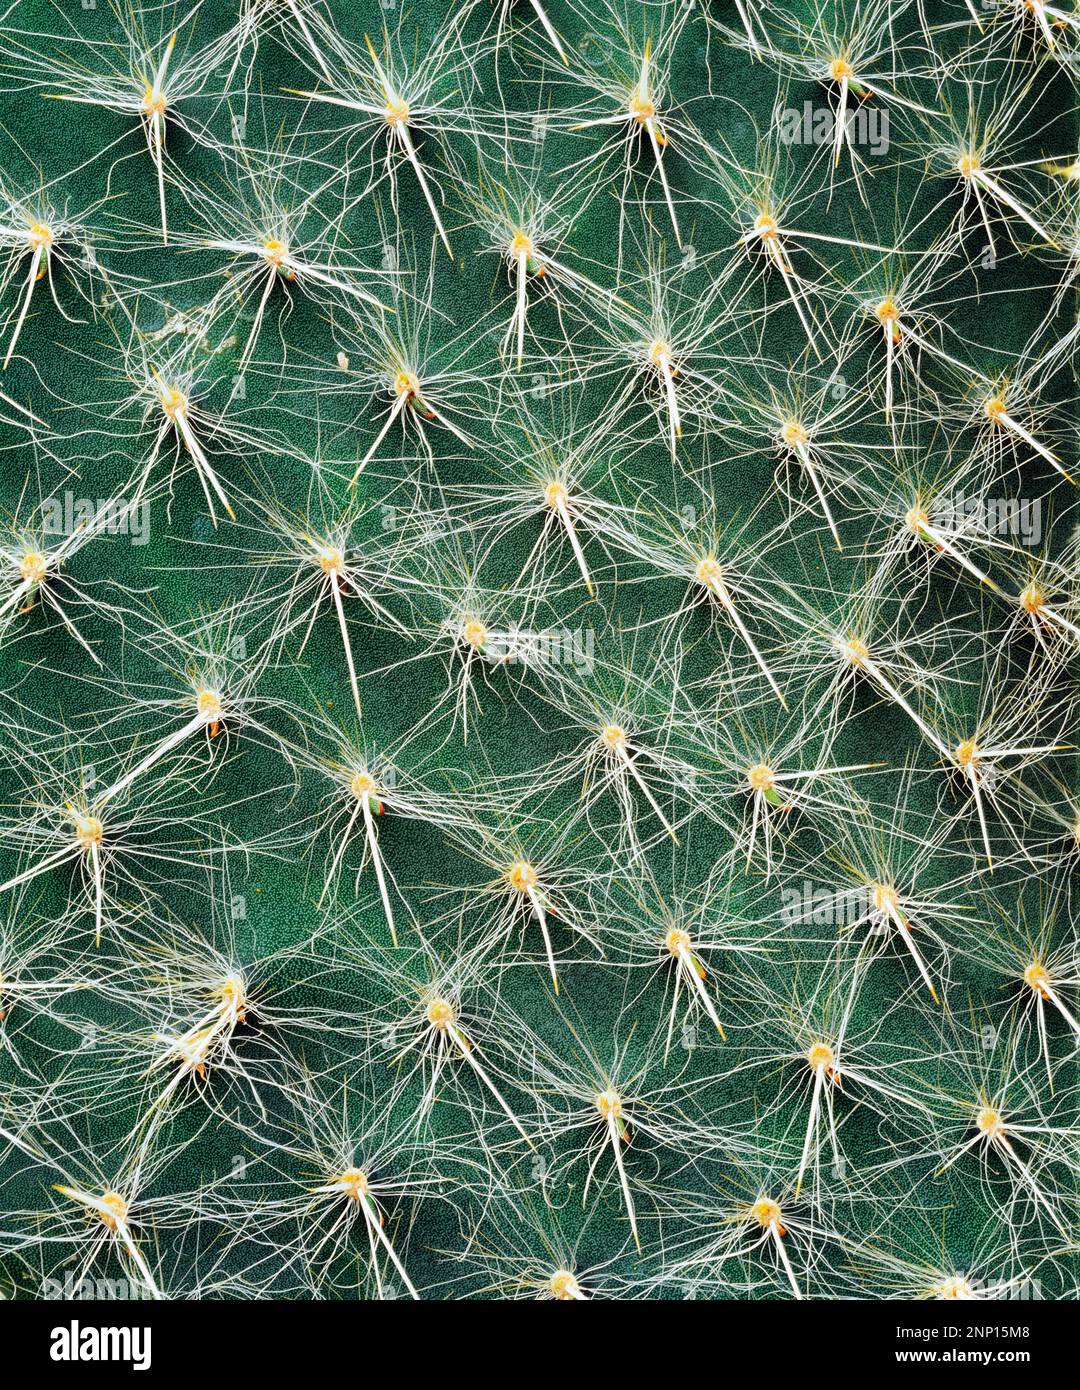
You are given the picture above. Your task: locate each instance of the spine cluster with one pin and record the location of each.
(539, 606)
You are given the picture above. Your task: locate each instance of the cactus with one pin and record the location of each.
(538, 627)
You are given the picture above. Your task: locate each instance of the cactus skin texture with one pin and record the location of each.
(538, 630)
